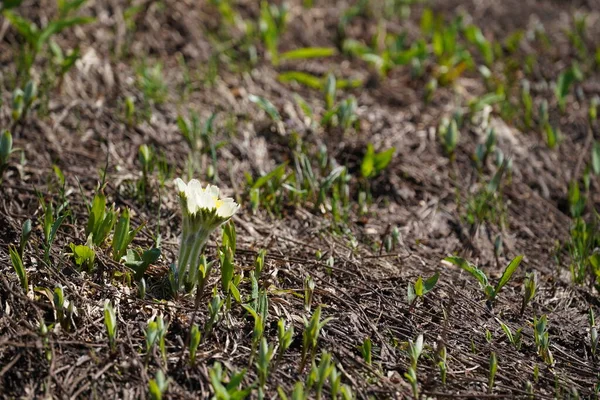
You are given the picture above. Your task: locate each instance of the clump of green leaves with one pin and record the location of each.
(491, 292)
(284, 337)
(530, 288)
(101, 219)
(542, 340)
(366, 351)
(373, 163)
(310, 336)
(421, 288)
(84, 254)
(158, 386)
(123, 236)
(227, 387)
(50, 225)
(513, 338)
(319, 374)
(414, 352)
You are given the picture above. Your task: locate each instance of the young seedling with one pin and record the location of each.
(50, 227)
(25, 235)
(373, 163)
(6, 150)
(195, 337)
(309, 288)
(158, 386)
(101, 220)
(449, 135)
(421, 288)
(530, 288)
(542, 340)
(84, 254)
(365, 350)
(490, 291)
(227, 387)
(492, 372)
(65, 310)
(319, 374)
(414, 352)
(513, 338)
(17, 263)
(214, 307)
(442, 363)
(310, 336)
(285, 338)
(110, 322)
(265, 355)
(139, 262)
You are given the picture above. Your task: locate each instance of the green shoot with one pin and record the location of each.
(530, 288)
(25, 235)
(110, 322)
(365, 350)
(319, 374)
(373, 163)
(442, 363)
(421, 288)
(227, 387)
(214, 307)
(490, 291)
(492, 372)
(139, 263)
(414, 352)
(513, 338)
(6, 150)
(542, 340)
(123, 236)
(195, 337)
(310, 336)
(265, 354)
(284, 337)
(593, 332)
(309, 288)
(84, 255)
(17, 263)
(64, 309)
(50, 227)
(158, 386)
(101, 220)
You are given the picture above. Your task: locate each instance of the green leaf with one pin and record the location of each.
(5, 147)
(367, 167)
(383, 159)
(419, 287)
(26, 28)
(277, 173)
(55, 27)
(430, 283)
(302, 78)
(17, 263)
(508, 272)
(411, 295)
(308, 52)
(266, 106)
(470, 268)
(330, 90)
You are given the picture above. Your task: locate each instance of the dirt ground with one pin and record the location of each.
(81, 129)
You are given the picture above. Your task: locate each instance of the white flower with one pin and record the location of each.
(206, 199)
(203, 212)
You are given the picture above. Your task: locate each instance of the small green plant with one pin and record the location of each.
(414, 352)
(195, 337)
(309, 288)
(214, 307)
(156, 331)
(139, 262)
(227, 387)
(490, 291)
(310, 336)
(365, 350)
(285, 338)
(421, 288)
(563, 84)
(17, 263)
(151, 82)
(484, 150)
(25, 235)
(158, 386)
(442, 363)
(6, 150)
(50, 226)
(123, 236)
(319, 374)
(84, 255)
(36, 38)
(265, 355)
(110, 322)
(487, 203)
(542, 340)
(101, 220)
(373, 163)
(449, 135)
(513, 338)
(492, 372)
(530, 289)
(64, 309)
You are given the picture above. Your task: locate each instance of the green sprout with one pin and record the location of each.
(414, 352)
(195, 337)
(265, 355)
(513, 338)
(310, 336)
(17, 263)
(421, 288)
(365, 350)
(491, 292)
(319, 374)
(542, 339)
(285, 338)
(227, 387)
(492, 372)
(101, 220)
(530, 289)
(158, 386)
(110, 322)
(6, 150)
